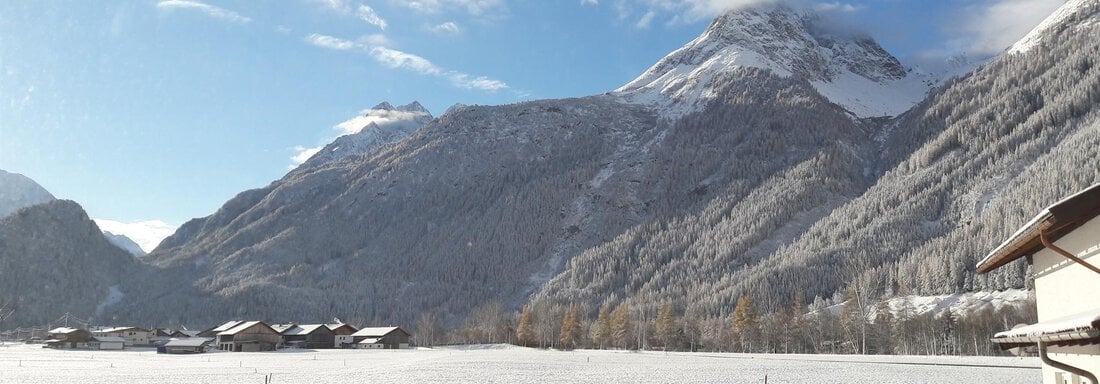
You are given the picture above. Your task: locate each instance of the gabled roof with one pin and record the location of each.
(304, 329)
(121, 329)
(1056, 221)
(226, 326)
(335, 326)
(63, 330)
(373, 340)
(109, 339)
(377, 331)
(282, 327)
(186, 332)
(242, 326)
(188, 342)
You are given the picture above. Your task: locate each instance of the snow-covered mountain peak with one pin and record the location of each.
(848, 68)
(373, 128)
(18, 192)
(1078, 13)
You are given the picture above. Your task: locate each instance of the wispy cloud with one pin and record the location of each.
(993, 26)
(209, 10)
(368, 14)
(447, 28)
(479, 8)
(590, 2)
(362, 11)
(301, 154)
(646, 19)
(329, 42)
(403, 60)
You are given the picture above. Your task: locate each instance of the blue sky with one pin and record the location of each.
(164, 109)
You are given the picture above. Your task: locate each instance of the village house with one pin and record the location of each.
(1060, 244)
(249, 336)
(68, 338)
(342, 335)
(381, 338)
(133, 336)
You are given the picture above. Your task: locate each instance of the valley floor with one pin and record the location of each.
(497, 363)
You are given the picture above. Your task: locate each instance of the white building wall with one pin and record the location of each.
(1064, 288)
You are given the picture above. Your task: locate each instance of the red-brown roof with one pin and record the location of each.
(1056, 221)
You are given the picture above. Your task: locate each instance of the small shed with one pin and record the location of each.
(387, 337)
(114, 343)
(187, 345)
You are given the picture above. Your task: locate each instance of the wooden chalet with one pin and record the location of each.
(342, 335)
(381, 338)
(133, 336)
(1061, 245)
(249, 336)
(68, 338)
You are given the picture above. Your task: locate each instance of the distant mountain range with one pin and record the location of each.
(772, 156)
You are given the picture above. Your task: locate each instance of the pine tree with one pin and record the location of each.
(622, 327)
(570, 329)
(603, 328)
(525, 331)
(667, 327)
(745, 322)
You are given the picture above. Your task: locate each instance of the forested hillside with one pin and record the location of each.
(53, 260)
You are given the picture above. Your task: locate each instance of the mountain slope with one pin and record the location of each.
(378, 126)
(978, 158)
(18, 192)
(127, 244)
(53, 260)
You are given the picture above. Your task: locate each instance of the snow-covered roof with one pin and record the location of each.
(370, 341)
(226, 326)
(1082, 326)
(335, 326)
(282, 327)
(63, 330)
(188, 342)
(303, 329)
(1075, 209)
(109, 339)
(120, 329)
(375, 331)
(240, 327)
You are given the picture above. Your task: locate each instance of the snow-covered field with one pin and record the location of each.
(501, 364)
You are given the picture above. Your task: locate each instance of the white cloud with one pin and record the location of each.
(643, 23)
(590, 2)
(380, 117)
(301, 154)
(993, 26)
(403, 60)
(375, 39)
(363, 12)
(483, 8)
(447, 28)
(837, 6)
(147, 234)
(329, 42)
(209, 10)
(368, 14)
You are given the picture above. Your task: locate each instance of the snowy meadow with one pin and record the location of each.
(497, 363)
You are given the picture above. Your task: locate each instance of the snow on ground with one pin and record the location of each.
(502, 364)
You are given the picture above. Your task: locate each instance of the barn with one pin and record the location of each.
(1060, 244)
(134, 336)
(342, 335)
(381, 338)
(249, 336)
(187, 345)
(114, 343)
(309, 336)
